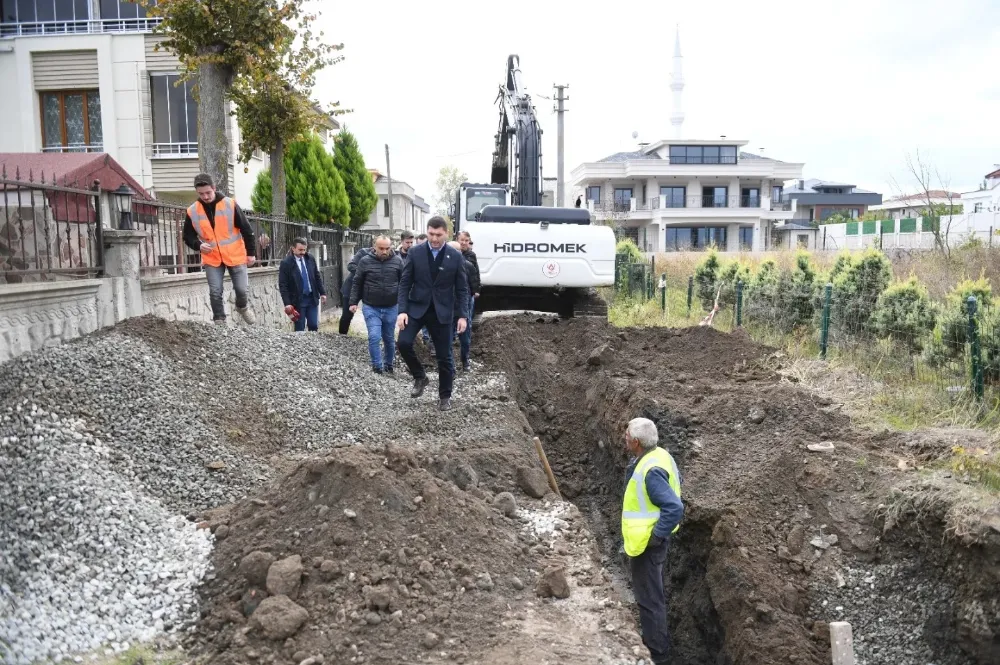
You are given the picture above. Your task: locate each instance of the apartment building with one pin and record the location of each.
(688, 194)
(409, 211)
(85, 76)
(818, 200)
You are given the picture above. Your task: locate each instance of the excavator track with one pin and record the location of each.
(590, 303)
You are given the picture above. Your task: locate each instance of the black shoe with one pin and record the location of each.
(444, 404)
(377, 370)
(466, 366)
(418, 386)
(388, 369)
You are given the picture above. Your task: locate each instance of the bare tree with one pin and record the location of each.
(931, 187)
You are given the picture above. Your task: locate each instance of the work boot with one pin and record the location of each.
(418, 386)
(388, 370)
(444, 404)
(220, 322)
(247, 315)
(466, 366)
(377, 370)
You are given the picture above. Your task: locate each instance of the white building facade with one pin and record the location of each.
(986, 199)
(688, 194)
(409, 211)
(85, 76)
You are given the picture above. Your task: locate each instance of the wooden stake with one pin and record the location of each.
(548, 469)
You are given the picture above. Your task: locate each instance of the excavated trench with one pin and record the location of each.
(776, 541)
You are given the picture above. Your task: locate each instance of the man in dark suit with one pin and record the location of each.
(433, 287)
(301, 285)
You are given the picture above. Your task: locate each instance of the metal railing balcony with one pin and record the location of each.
(750, 201)
(75, 27)
(74, 147)
(185, 149)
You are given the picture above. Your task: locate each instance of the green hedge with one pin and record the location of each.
(852, 228)
(908, 225)
(868, 228)
(888, 226)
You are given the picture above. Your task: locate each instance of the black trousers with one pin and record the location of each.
(647, 586)
(345, 320)
(441, 336)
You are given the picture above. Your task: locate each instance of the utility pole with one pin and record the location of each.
(388, 177)
(561, 145)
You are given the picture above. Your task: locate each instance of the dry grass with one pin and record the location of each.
(142, 655)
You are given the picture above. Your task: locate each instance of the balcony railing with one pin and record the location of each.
(712, 201)
(750, 201)
(71, 27)
(74, 147)
(175, 150)
(729, 159)
(781, 204)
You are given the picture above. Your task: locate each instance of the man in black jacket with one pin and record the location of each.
(465, 338)
(405, 243)
(432, 288)
(376, 282)
(475, 282)
(346, 315)
(301, 285)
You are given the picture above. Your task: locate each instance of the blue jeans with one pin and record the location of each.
(308, 314)
(381, 324)
(465, 339)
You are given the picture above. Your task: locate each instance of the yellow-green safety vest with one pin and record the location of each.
(639, 515)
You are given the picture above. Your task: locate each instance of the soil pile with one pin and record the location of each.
(394, 557)
(778, 539)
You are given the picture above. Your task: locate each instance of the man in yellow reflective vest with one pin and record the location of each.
(216, 227)
(651, 512)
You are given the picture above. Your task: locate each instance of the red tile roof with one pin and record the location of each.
(70, 169)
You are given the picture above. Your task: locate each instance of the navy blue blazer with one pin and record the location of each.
(290, 281)
(419, 287)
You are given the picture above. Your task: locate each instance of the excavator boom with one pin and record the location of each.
(517, 156)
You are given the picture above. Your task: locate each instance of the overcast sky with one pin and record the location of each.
(848, 86)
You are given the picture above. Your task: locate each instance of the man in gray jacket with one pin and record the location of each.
(376, 282)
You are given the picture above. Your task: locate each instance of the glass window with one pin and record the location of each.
(727, 154)
(746, 237)
(477, 199)
(385, 207)
(175, 113)
(121, 9)
(711, 153)
(594, 193)
(678, 154)
(71, 121)
(674, 196)
(776, 193)
(694, 154)
(623, 198)
(713, 197)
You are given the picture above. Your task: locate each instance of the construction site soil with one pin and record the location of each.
(778, 540)
(363, 526)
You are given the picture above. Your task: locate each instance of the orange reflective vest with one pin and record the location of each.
(225, 238)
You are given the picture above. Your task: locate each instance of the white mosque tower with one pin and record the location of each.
(677, 86)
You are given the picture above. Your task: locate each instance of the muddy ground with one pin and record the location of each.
(777, 540)
(403, 535)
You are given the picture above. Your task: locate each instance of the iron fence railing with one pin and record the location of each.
(74, 27)
(185, 149)
(48, 227)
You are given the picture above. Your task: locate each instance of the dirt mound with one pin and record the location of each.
(777, 540)
(390, 561)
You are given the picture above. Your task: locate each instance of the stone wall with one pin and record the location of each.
(185, 297)
(37, 315)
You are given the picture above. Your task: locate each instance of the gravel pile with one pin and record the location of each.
(85, 559)
(899, 612)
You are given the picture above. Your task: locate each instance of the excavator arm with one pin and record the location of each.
(517, 156)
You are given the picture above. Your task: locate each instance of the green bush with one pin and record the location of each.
(626, 254)
(781, 299)
(706, 277)
(858, 281)
(904, 314)
(952, 331)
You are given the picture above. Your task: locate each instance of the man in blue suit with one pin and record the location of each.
(432, 290)
(301, 285)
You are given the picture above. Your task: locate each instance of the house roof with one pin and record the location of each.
(628, 156)
(922, 196)
(994, 174)
(420, 203)
(814, 184)
(69, 169)
(794, 226)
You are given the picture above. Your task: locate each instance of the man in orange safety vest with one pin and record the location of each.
(217, 227)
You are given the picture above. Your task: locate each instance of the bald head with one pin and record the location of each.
(454, 244)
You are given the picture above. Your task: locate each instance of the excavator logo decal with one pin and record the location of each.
(522, 247)
(550, 269)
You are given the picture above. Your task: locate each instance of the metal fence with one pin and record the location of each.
(49, 228)
(165, 251)
(914, 353)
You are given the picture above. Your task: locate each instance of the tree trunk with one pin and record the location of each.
(214, 81)
(278, 200)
